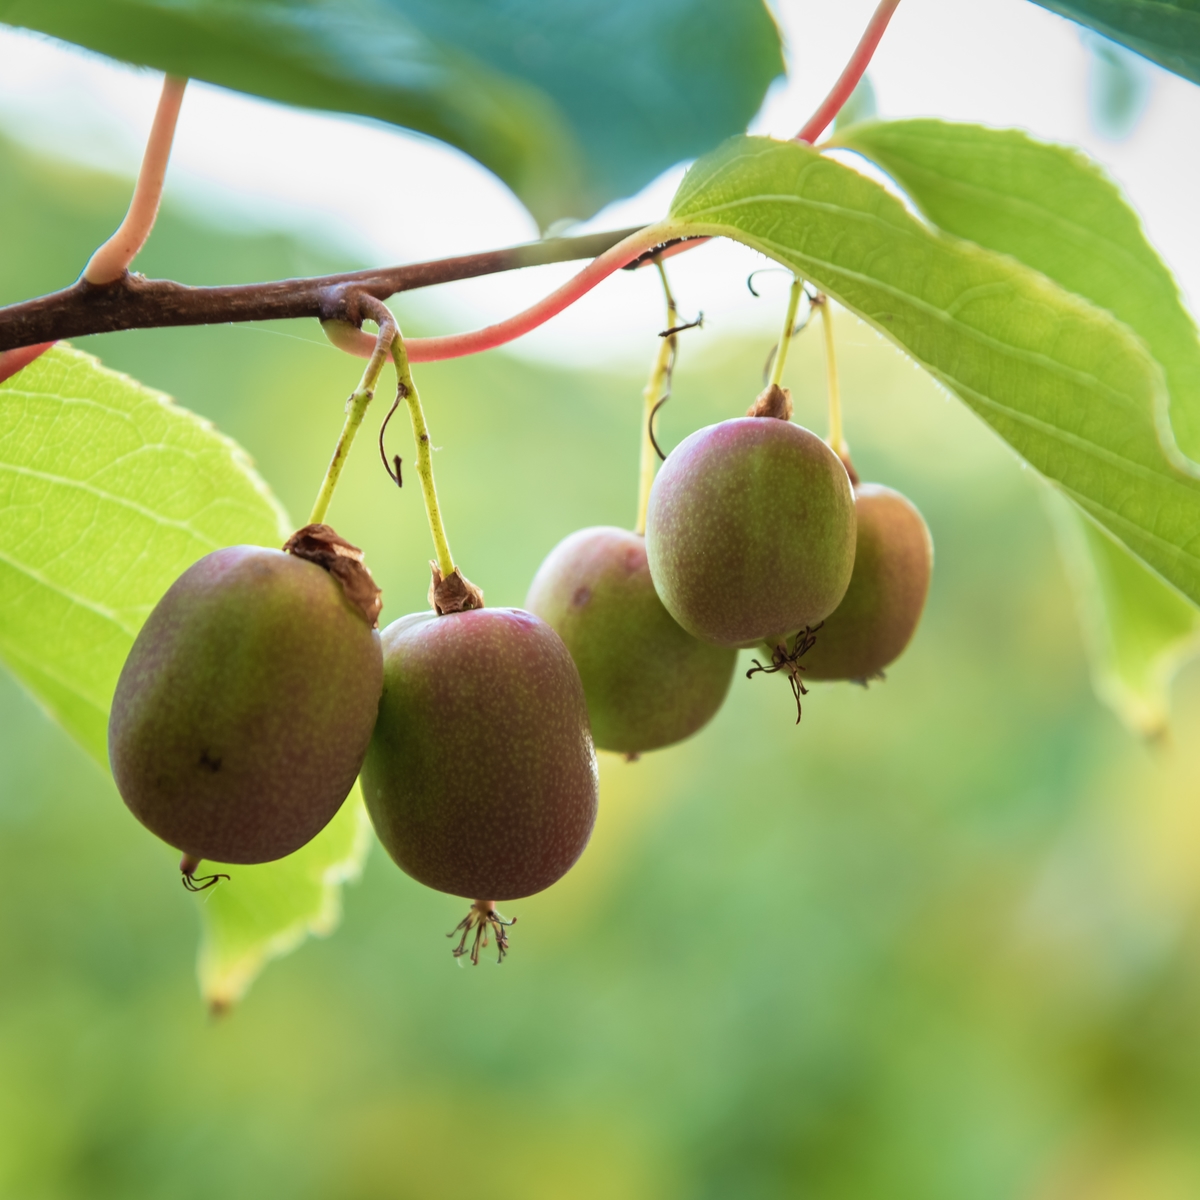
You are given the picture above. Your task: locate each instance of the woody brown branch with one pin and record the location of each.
(134, 302)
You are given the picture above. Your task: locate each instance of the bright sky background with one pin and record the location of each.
(247, 162)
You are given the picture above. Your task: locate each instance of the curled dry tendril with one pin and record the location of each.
(783, 659)
(481, 920)
(393, 467)
(187, 868)
(698, 323)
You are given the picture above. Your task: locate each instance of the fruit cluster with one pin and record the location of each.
(259, 688)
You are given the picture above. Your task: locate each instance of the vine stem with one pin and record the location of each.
(651, 395)
(854, 70)
(837, 441)
(456, 345)
(130, 302)
(785, 338)
(356, 409)
(407, 390)
(112, 260)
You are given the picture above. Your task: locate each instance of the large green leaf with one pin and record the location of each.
(107, 492)
(1063, 382)
(1138, 631)
(1055, 210)
(266, 912)
(1165, 31)
(570, 104)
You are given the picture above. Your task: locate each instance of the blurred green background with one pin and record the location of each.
(941, 940)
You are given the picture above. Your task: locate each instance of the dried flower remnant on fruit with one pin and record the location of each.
(187, 875)
(453, 594)
(772, 401)
(321, 544)
(783, 659)
(480, 920)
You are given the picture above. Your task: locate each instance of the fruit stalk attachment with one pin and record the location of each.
(785, 338)
(837, 439)
(775, 400)
(356, 409)
(655, 395)
(481, 920)
(450, 591)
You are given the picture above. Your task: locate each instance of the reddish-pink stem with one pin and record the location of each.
(848, 80)
(436, 349)
(456, 345)
(112, 260)
(11, 361)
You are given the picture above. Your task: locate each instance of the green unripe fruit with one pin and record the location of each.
(245, 707)
(750, 531)
(648, 682)
(481, 776)
(882, 606)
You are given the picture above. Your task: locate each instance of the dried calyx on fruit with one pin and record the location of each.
(481, 777)
(750, 528)
(649, 683)
(245, 707)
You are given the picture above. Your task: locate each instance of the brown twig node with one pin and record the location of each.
(481, 920)
(783, 659)
(455, 593)
(187, 868)
(321, 544)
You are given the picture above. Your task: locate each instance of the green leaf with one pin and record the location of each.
(1118, 87)
(571, 105)
(265, 912)
(1165, 31)
(1062, 381)
(1056, 211)
(1139, 631)
(108, 491)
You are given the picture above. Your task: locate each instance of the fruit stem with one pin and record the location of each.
(785, 338)
(408, 393)
(356, 409)
(652, 396)
(837, 441)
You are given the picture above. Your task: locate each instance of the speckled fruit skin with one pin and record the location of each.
(481, 777)
(879, 613)
(648, 682)
(245, 707)
(750, 530)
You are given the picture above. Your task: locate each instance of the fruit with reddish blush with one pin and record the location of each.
(648, 681)
(882, 606)
(750, 530)
(245, 707)
(481, 776)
